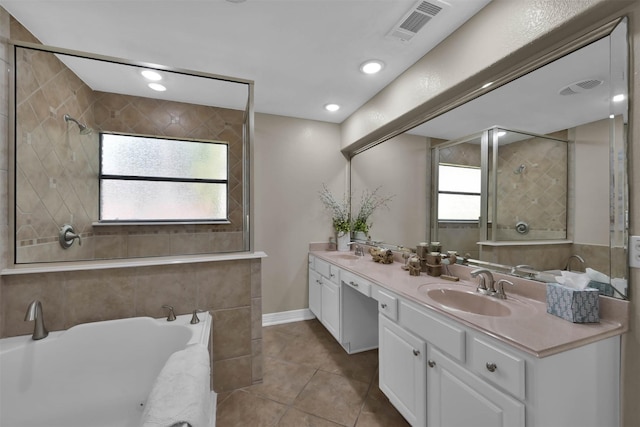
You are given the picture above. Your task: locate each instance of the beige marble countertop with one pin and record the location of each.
(529, 327)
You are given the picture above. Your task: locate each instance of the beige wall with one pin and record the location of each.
(293, 157)
(399, 167)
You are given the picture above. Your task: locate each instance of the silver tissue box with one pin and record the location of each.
(577, 306)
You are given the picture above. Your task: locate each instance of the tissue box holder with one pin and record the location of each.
(577, 306)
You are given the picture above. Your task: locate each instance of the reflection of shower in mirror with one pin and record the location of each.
(84, 130)
(520, 169)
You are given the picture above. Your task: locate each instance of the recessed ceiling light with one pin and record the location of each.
(151, 75)
(157, 87)
(611, 116)
(332, 107)
(486, 85)
(618, 98)
(372, 66)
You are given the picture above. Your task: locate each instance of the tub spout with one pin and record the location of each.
(34, 312)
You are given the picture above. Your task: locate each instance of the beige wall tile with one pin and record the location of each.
(257, 361)
(231, 333)
(170, 285)
(224, 285)
(18, 291)
(93, 296)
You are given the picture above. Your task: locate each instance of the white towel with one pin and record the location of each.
(180, 393)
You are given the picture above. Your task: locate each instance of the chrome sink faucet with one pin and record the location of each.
(485, 281)
(358, 249)
(34, 313)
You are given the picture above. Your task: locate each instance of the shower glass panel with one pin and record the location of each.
(528, 185)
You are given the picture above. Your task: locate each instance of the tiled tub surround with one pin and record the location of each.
(228, 286)
(532, 334)
(57, 168)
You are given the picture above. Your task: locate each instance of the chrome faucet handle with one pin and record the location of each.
(195, 319)
(171, 316)
(67, 235)
(499, 292)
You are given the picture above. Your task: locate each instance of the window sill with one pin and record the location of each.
(134, 223)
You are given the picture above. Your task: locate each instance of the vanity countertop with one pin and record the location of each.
(532, 330)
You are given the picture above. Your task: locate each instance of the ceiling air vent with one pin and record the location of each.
(579, 87)
(414, 20)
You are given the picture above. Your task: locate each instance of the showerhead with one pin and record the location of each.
(84, 130)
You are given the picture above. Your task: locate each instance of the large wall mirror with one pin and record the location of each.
(531, 173)
(66, 103)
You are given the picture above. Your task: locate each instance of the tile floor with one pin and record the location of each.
(310, 381)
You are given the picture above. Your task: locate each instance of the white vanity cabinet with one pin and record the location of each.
(324, 294)
(402, 370)
(438, 371)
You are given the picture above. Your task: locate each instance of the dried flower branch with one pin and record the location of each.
(369, 202)
(340, 211)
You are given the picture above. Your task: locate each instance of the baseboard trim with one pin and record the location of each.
(270, 319)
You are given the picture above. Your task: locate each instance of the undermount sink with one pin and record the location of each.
(466, 301)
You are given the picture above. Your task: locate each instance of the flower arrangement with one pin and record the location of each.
(369, 202)
(340, 211)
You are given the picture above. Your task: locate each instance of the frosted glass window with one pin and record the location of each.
(458, 193)
(155, 179)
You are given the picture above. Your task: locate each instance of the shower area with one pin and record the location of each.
(501, 185)
(527, 185)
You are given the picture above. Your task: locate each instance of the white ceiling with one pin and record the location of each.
(532, 103)
(301, 54)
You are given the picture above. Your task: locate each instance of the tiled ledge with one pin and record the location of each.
(128, 262)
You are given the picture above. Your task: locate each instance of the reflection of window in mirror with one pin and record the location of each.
(151, 179)
(458, 193)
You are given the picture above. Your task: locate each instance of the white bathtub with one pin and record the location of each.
(92, 375)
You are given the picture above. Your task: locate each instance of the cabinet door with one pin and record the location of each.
(403, 370)
(315, 293)
(331, 307)
(458, 398)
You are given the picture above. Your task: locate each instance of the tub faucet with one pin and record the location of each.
(485, 287)
(34, 312)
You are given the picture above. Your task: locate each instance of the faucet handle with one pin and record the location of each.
(499, 292)
(172, 316)
(195, 319)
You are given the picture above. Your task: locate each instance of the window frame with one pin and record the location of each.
(459, 193)
(116, 177)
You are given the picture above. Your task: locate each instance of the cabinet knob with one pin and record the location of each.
(431, 363)
(383, 305)
(491, 367)
(332, 275)
(416, 352)
(319, 282)
(353, 284)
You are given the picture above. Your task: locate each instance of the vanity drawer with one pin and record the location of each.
(356, 282)
(440, 333)
(388, 305)
(322, 267)
(312, 262)
(334, 274)
(498, 366)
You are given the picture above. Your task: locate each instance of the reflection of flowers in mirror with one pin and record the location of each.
(369, 202)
